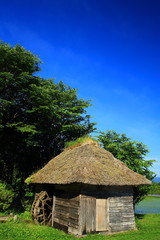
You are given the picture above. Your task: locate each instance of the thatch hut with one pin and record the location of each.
(85, 190)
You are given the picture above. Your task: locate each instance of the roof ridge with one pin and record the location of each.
(89, 142)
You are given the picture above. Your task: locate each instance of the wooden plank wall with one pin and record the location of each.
(119, 209)
(121, 213)
(66, 213)
(87, 214)
(77, 213)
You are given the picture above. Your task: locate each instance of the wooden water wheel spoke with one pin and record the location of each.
(41, 215)
(48, 206)
(49, 216)
(43, 222)
(42, 208)
(49, 219)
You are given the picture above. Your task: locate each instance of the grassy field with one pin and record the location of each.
(24, 229)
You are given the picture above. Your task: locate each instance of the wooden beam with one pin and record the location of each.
(53, 208)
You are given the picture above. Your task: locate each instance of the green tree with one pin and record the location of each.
(37, 116)
(132, 153)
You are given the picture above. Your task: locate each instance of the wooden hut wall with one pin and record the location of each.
(121, 214)
(66, 214)
(121, 211)
(80, 209)
(66, 208)
(117, 204)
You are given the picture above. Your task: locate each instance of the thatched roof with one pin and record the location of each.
(87, 163)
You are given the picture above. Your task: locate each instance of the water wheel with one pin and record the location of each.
(42, 208)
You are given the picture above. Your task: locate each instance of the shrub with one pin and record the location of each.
(7, 196)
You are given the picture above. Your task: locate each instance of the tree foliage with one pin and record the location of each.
(132, 153)
(37, 116)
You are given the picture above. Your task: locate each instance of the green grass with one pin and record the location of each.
(148, 229)
(79, 140)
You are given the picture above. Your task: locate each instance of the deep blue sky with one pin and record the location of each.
(108, 49)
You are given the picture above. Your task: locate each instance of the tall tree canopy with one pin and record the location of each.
(130, 152)
(37, 116)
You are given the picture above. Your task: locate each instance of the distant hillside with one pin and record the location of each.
(156, 179)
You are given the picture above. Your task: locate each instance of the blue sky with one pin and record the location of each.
(108, 49)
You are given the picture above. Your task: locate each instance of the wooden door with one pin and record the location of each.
(93, 215)
(88, 214)
(101, 215)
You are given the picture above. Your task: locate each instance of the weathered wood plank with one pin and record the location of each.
(120, 228)
(82, 219)
(53, 209)
(62, 206)
(6, 218)
(74, 203)
(121, 205)
(68, 202)
(67, 212)
(121, 213)
(73, 225)
(118, 200)
(101, 215)
(90, 214)
(62, 222)
(129, 211)
(61, 210)
(62, 215)
(62, 203)
(122, 220)
(73, 221)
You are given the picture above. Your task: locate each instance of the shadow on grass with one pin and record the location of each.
(139, 216)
